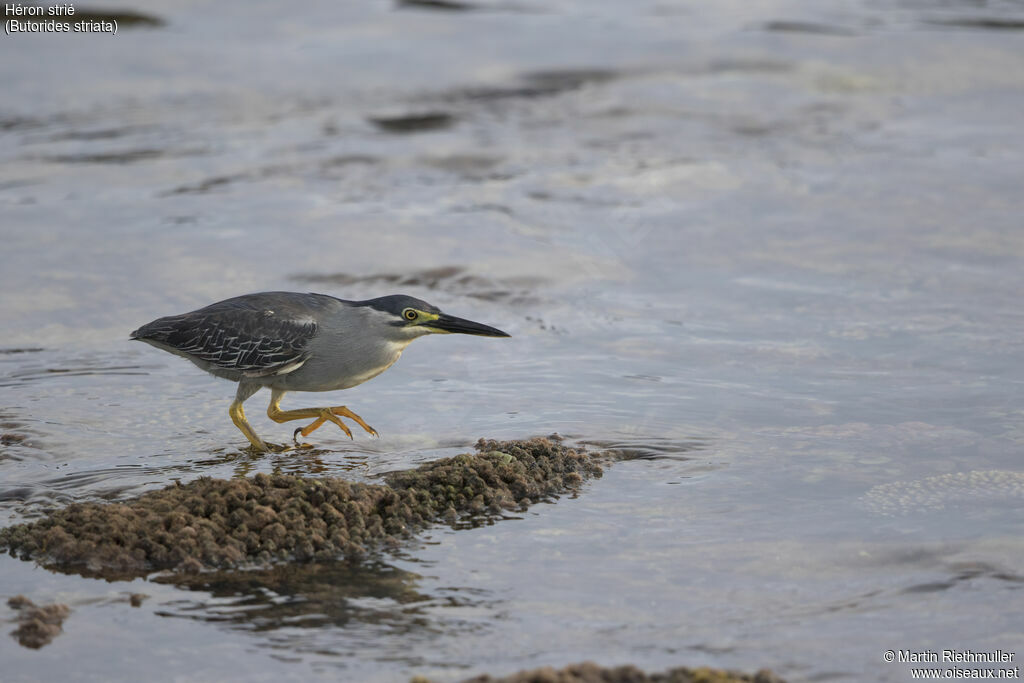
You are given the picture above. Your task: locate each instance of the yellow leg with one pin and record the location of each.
(321, 416)
(238, 417)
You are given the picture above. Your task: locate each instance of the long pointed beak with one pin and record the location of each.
(449, 323)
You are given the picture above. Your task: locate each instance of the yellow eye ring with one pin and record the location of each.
(409, 314)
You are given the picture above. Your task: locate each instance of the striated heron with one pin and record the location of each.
(289, 341)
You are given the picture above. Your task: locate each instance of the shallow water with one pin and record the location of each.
(772, 251)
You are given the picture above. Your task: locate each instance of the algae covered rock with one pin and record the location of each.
(255, 520)
(589, 672)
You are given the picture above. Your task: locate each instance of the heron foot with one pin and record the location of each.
(320, 415)
(334, 415)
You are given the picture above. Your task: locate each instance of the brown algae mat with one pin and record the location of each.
(588, 672)
(225, 523)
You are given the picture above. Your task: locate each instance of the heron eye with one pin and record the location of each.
(409, 314)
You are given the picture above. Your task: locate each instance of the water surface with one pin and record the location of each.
(770, 251)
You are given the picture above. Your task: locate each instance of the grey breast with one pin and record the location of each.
(257, 336)
(354, 344)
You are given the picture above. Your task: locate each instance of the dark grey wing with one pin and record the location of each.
(245, 334)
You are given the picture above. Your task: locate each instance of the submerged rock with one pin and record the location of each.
(254, 521)
(588, 672)
(37, 624)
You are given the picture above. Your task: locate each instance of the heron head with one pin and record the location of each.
(411, 317)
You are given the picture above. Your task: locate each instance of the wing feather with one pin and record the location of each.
(245, 334)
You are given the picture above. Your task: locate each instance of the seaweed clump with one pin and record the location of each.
(589, 672)
(37, 624)
(228, 523)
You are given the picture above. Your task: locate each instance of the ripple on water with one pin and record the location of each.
(813, 28)
(337, 610)
(19, 439)
(536, 84)
(650, 448)
(449, 279)
(31, 374)
(415, 122)
(33, 365)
